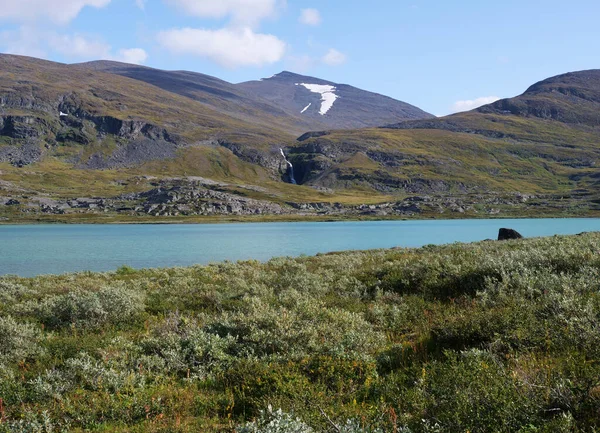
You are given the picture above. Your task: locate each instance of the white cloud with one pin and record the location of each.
(29, 41)
(58, 12)
(304, 63)
(310, 17)
(228, 47)
(25, 42)
(137, 56)
(81, 48)
(473, 103)
(243, 12)
(78, 46)
(334, 58)
(141, 4)
(238, 43)
(33, 39)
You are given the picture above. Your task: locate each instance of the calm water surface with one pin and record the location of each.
(29, 250)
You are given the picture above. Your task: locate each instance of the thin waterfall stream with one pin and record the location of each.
(290, 168)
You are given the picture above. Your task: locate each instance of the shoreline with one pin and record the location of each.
(192, 220)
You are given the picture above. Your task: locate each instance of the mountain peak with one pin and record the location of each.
(329, 105)
(292, 77)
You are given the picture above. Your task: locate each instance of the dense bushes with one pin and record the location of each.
(18, 341)
(110, 305)
(501, 337)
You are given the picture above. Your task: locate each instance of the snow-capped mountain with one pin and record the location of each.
(329, 104)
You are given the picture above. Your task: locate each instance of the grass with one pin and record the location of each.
(59, 179)
(472, 160)
(491, 336)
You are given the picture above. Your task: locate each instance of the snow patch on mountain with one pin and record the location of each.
(306, 108)
(327, 92)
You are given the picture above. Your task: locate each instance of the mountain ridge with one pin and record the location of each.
(194, 85)
(71, 132)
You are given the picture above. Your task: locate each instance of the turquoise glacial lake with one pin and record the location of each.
(29, 250)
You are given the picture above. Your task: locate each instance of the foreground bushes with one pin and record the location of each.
(501, 337)
(81, 309)
(18, 341)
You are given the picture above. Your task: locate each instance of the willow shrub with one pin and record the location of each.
(89, 309)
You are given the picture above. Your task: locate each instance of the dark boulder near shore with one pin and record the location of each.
(508, 234)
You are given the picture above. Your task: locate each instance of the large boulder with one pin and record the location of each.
(507, 234)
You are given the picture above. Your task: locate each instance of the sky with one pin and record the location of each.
(443, 56)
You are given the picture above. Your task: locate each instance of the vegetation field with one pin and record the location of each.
(485, 337)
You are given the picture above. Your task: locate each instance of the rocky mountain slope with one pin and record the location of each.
(100, 120)
(336, 106)
(117, 136)
(544, 141)
(278, 100)
(109, 114)
(212, 92)
(572, 98)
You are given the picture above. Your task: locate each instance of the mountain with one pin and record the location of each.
(101, 120)
(572, 98)
(121, 115)
(219, 95)
(125, 141)
(296, 103)
(542, 142)
(336, 106)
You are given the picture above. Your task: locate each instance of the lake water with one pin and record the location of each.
(29, 250)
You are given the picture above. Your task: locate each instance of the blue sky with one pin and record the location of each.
(440, 55)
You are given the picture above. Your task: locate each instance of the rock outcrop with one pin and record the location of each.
(509, 234)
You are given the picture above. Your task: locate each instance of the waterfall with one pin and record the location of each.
(290, 168)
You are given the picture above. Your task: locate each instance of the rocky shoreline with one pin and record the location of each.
(202, 197)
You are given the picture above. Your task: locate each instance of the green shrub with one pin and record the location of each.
(109, 305)
(473, 391)
(18, 341)
(182, 347)
(309, 327)
(339, 375)
(85, 372)
(276, 422)
(12, 292)
(32, 423)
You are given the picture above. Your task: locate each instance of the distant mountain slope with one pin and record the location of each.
(109, 130)
(277, 101)
(101, 120)
(338, 106)
(544, 140)
(572, 98)
(215, 93)
(108, 114)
